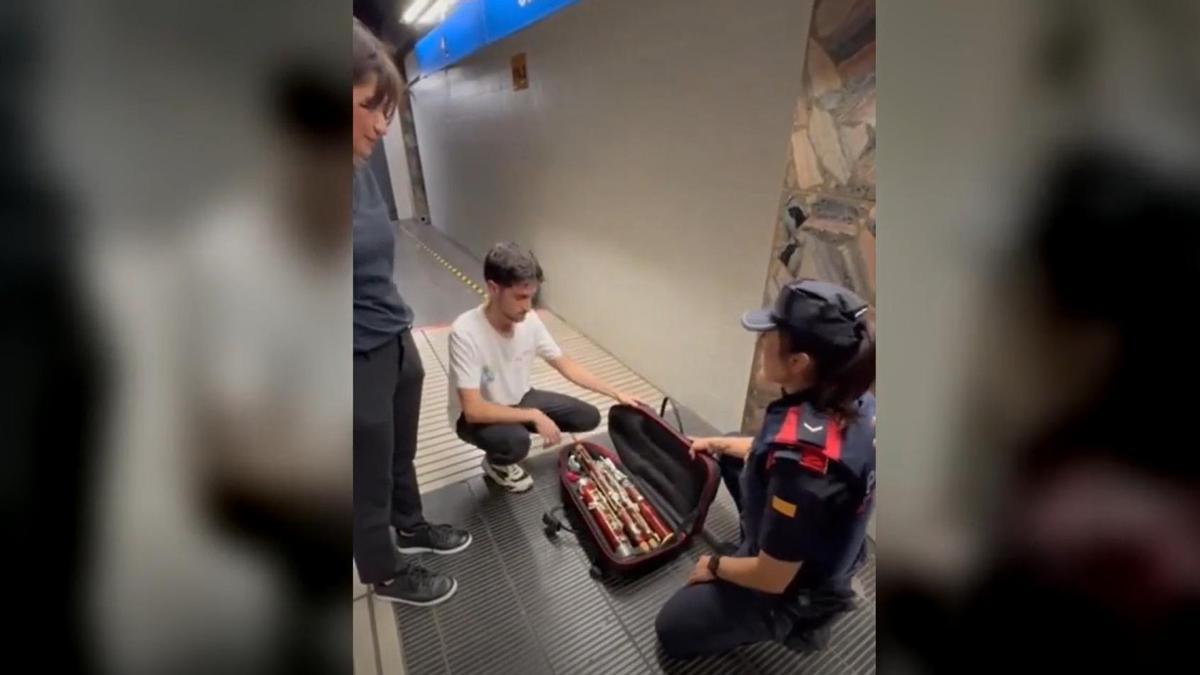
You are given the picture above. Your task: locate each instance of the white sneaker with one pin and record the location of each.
(511, 477)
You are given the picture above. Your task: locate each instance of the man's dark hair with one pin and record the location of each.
(508, 264)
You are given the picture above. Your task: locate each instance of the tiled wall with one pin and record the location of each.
(826, 220)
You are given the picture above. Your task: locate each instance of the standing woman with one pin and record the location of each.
(387, 370)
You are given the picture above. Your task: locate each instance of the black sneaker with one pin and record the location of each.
(415, 585)
(426, 538)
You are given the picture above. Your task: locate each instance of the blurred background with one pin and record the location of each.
(1037, 189)
(174, 200)
(177, 372)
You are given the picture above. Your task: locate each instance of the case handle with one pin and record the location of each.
(662, 412)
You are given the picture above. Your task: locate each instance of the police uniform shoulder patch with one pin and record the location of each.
(783, 506)
(809, 438)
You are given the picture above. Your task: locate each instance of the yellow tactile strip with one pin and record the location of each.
(443, 459)
(470, 283)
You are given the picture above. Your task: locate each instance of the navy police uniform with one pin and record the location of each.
(805, 494)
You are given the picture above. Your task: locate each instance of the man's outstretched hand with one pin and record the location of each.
(626, 399)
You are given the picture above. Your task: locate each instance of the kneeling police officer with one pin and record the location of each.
(804, 485)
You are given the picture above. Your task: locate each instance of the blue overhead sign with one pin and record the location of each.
(456, 38)
(474, 24)
(505, 17)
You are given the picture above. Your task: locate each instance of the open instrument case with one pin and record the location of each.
(654, 459)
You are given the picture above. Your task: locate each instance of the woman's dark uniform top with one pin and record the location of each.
(807, 489)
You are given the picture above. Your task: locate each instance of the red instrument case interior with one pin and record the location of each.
(656, 459)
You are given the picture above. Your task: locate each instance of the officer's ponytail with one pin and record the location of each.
(841, 378)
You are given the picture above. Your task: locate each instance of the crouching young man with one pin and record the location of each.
(492, 348)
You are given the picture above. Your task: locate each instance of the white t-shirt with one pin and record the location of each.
(499, 367)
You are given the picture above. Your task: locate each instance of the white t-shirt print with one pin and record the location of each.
(481, 358)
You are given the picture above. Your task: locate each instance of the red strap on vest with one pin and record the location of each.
(787, 431)
(813, 456)
(833, 441)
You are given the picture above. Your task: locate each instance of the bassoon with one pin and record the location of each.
(647, 511)
(604, 519)
(636, 515)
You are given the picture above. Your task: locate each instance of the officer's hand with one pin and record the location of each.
(547, 429)
(700, 573)
(707, 446)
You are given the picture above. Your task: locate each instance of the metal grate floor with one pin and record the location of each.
(526, 604)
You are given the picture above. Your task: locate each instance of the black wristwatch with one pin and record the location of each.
(713, 563)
